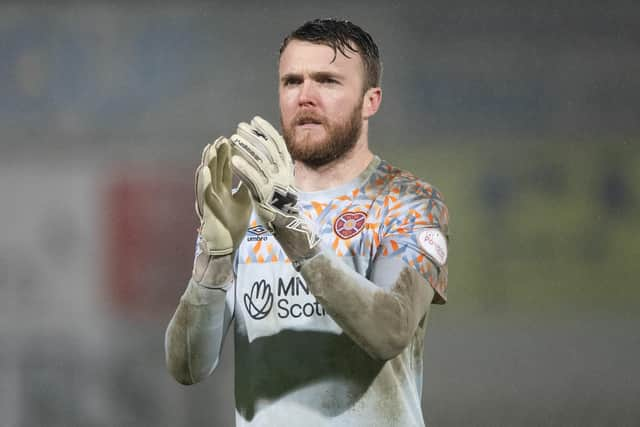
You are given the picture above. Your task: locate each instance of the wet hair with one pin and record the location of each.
(344, 37)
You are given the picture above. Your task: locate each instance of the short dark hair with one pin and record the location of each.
(342, 36)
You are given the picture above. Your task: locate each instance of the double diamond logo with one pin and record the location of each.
(259, 302)
(257, 230)
(257, 233)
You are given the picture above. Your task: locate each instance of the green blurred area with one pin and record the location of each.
(548, 228)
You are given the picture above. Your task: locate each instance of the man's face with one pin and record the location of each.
(320, 101)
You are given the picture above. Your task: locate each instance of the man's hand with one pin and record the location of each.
(224, 216)
(261, 159)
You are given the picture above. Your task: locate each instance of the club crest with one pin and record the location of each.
(349, 224)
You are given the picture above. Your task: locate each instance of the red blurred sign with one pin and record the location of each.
(150, 229)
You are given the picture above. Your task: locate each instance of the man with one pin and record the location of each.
(331, 274)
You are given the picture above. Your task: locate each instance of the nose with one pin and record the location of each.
(307, 95)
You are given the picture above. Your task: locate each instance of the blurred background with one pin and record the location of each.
(526, 115)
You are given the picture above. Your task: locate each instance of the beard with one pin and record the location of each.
(340, 138)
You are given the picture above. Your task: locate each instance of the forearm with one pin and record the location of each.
(381, 319)
(194, 336)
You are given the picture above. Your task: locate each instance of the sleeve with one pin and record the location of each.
(382, 316)
(416, 231)
(194, 337)
(195, 334)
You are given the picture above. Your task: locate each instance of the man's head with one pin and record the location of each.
(329, 86)
(343, 37)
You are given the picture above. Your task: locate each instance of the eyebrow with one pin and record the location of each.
(317, 75)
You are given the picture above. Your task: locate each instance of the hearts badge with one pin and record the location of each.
(349, 224)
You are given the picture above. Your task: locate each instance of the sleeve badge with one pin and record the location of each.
(434, 243)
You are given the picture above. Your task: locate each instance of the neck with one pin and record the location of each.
(339, 171)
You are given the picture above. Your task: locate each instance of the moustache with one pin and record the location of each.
(308, 118)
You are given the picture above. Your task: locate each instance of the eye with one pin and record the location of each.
(291, 81)
(328, 80)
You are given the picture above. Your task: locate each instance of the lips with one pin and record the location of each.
(308, 120)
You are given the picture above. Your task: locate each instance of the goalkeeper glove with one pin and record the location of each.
(224, 215)
(261, 159)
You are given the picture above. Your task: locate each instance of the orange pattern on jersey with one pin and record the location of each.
(397, 205)
(318, 207)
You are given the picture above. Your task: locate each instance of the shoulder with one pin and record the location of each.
(411, 200)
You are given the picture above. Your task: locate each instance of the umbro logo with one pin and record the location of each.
(257, 233)
(257, 230)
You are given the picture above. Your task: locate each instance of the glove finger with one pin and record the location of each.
(214, 169)
(242, 196)
(265, 127)
(219, 141)
(259, 142)
(203, 182)
(210, 158)
(204, 161)
(223, 172)
(242, 206)
(244, 148)
(200, 182)
(263, 142)
(250, 175)
(197, 193)
(214, 203)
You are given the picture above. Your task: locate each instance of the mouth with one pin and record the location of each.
(308, 121)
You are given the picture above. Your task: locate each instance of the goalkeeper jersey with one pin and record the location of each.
(294, 366)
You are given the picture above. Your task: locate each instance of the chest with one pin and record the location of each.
(272, 296)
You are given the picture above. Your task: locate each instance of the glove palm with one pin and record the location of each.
(224, 215)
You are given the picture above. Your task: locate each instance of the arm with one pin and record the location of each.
(193, 339)
(408, 274)
(380, 315)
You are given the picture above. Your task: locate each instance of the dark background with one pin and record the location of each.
(524, 114)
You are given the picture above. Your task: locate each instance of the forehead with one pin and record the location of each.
(302, 57)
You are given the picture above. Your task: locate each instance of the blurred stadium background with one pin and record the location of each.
(525, 114)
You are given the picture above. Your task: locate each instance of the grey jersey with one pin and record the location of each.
(294, 365)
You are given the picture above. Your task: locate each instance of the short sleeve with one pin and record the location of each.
(417, 232)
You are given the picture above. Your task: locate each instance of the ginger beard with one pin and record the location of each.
(340, 138)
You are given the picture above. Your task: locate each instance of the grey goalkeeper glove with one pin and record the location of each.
(261, 159)
(224, 216)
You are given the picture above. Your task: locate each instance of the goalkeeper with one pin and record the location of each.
(329, 272)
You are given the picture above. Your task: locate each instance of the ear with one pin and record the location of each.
(371, 102)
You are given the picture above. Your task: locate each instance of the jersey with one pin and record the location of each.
(294, 365)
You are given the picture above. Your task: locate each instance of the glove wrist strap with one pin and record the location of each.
(213, 271)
